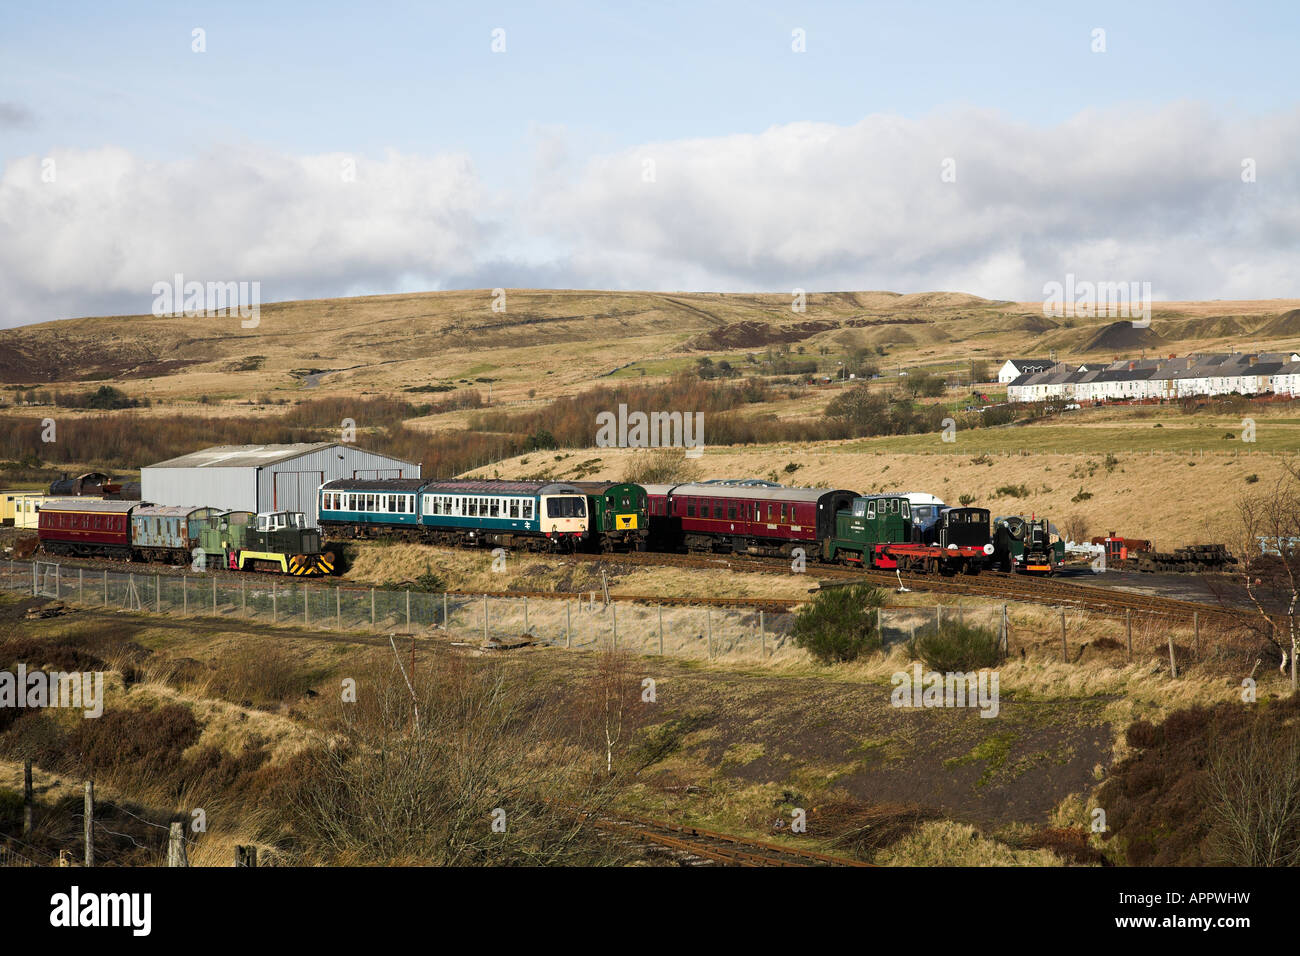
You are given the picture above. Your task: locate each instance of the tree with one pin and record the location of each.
(1075, 528)
(839, 624)
(609, 696)
(1268, 562)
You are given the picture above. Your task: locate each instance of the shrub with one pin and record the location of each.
(966, 500)
(839, 624)
(957, 647)
(1012, 491)
(1251, 479)
(1081, 495)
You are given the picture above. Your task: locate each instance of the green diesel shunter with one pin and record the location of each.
(274, 541)
(871, 520)
(618, 515)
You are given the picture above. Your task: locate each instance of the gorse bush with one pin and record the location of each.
(839, 624)
(957, 647)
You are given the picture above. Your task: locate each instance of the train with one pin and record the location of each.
(204, 537)
(1027, 545)
(736, 517)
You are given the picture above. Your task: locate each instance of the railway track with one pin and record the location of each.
(692, 846)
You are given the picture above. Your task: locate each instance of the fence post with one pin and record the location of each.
(88, 821)
(27, 797)
(762, 635)
(708, 619)
(338, 609)
(243, 599)
(157, 593)
(1173, 664)
(1128, 629)
(214, 596)
(58, 581)
(275, 601)
(568, 634)
(372, 607)
(246, 856)
(306, 603)
(525, 614)
(81, 587)
(1065, 647)
(444, 608)
(176, 846)
(938, 617)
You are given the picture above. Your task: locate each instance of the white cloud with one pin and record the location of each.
(1123, 195)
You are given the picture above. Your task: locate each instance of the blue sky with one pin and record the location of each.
(582, 84)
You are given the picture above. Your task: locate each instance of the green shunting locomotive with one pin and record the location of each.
(273, 541)
(1027, 545)
(619, 515)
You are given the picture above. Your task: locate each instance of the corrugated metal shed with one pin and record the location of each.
(264, 477)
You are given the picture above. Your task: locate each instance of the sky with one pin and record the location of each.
(343, 149)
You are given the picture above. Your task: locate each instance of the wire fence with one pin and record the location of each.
(578, 622)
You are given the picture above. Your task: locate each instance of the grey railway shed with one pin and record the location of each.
(263, 477)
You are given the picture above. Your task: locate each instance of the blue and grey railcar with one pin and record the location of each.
(530, 514)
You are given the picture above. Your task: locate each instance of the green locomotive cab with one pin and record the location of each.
(272, 541)
(619, 514)
(870, 520)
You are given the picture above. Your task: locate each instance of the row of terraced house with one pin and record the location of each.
(1222, 373)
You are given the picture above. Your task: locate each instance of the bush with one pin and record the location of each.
(966, 500)
(957, 647)
(839, 624)
(1081, 495)
(1012, 491)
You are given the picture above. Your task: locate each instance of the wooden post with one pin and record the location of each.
(938, 617)
(157, 593)
(306, 603)
(176, 846)
(58, 582)
(485, 618)
(408, 610)
(708, 619)
(444, 608)
(762, 636)
(1128, 629)
(1173, 664)
(372, 607)
(661, 629)
(568, 633)
(27, 798)
(89, 823)
(525, 614)
(246, 856)
(1065, 647)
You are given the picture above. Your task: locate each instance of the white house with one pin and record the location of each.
(1012, 369)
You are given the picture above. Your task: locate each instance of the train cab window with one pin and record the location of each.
(627, 502)
(904, 509)
(871, 509)
(859, 509)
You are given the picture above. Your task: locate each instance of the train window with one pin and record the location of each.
(731, 512)
(370, 502)
(859, 509)
(494, 508)
(690, 509)
(473, 507)
(528, 509)
(783, 511)
(905, 509)
(627, 502)
(717, 508)
(871, 509)
(514, 507)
